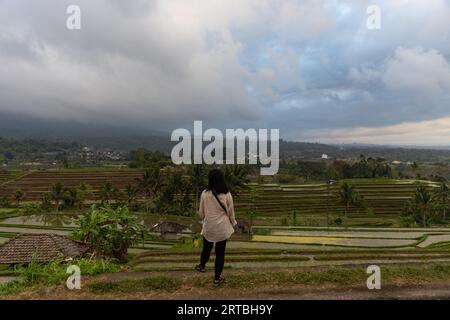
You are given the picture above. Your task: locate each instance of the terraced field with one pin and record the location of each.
(384, 197)
(273, 259)
(35, 184)
(291, 248)
(6, 175)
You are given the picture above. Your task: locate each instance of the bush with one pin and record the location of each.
(338, 222)
(5, 202)
(32, 208)
(109, 232)
(56, 271)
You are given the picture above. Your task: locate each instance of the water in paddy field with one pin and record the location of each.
(356, 238)
(48, 220)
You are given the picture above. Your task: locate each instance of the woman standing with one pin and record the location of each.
(217, 212)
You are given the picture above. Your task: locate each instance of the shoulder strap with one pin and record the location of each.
(220, 202)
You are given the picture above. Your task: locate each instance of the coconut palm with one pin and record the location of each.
(198, 181)
(442, 196)
(107, 192)
(151, 181)
(73, 198)
(236, 178)
(131, 193)
(424, 203)
(57, 194)
(19, 194)
(348, 196)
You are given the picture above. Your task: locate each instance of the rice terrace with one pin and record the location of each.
(290, 235)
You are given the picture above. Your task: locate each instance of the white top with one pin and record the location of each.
(217, 224)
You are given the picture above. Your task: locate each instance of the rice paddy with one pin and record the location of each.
(369, 234)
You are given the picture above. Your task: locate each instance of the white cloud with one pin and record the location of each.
(434, 132)
(164, 63)
(417, 71)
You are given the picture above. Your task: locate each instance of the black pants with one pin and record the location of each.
(220, 255)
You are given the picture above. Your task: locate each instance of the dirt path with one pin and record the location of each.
(433, 290)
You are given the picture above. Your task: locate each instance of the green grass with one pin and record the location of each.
(161, 283)
(103, 286)
(249, 281)
(10, 288)
(154, 283)
(54, 272)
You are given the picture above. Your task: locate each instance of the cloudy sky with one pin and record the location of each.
(309, 67)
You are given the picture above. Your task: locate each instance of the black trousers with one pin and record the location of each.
(220, 255)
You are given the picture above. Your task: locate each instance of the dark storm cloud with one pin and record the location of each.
(308, 67)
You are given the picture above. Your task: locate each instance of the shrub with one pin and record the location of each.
(55, 271)
(32, 208)
(5, 202)
(109, 232)
(338, 222)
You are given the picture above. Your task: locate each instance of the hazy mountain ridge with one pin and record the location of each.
(22, 128)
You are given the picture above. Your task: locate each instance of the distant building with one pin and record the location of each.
(244, 226)
(170, 230)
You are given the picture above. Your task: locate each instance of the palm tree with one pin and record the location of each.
(57, 194)
(131, 193)
(424, 201)
(86, 189)
(236, 178)
(198, 181)
(73, 198)
(19, 194)
(107, 192)
(442, 195)
(151, 181)
(348, 196)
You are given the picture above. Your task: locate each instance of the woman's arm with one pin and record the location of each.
(230, 206)
(201, 209)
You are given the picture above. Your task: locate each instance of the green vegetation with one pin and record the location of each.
(426, 206)
(54, 272)
(163, 283)
(253, 280)
(348, 196)
(109, 231)
(13, 149)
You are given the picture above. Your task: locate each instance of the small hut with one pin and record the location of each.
(40, 247)
(244, 226)
(169, 230)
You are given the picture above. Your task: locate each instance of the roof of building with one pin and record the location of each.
(43, 247)
(243, 222)
(169, 227)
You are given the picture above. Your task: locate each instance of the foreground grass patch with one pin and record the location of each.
(154, 283)
(10, 288)
(55, 272)
(250, 281)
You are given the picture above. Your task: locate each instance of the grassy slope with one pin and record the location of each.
(244, 283)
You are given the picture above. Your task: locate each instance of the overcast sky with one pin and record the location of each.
(311, 68)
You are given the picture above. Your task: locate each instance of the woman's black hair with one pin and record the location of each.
(216, 181)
